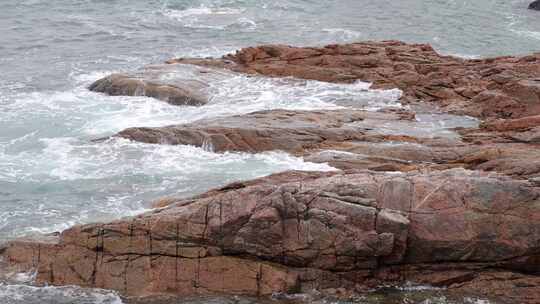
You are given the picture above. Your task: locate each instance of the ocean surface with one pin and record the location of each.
(53, 176)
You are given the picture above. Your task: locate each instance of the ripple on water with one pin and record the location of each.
(214, 18)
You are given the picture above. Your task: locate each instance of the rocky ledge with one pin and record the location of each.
(503, 87)
(298, 231)
(423, 194)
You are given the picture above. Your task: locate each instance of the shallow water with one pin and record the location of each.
(52, 176)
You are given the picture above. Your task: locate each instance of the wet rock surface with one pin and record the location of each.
(495, 87)
(291, 131)
(423, 194)
(390, 140)
(174, 86)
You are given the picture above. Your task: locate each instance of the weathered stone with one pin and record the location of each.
(330, 230)
(416, 69)
(291, 131)
(173, 85)
(430, 220)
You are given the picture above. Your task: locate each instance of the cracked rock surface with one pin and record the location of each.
(297, 231)
(422, 194)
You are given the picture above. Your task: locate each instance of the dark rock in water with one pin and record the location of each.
(535, 5)
(171, 83)
(123, 85)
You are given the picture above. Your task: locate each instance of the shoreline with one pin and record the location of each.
(459, 208)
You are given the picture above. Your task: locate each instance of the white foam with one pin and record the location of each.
(68, 179)
(530, 34)
(82, 79)
(463, 56)
(24, 294)
(234, 94)
(204, 17)
(88, 182)
(214, 52)
(261, 93)
(340, 34)
(245, 23)
(71, 159)
(201, 10)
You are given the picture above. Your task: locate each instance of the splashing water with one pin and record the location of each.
(52, 176)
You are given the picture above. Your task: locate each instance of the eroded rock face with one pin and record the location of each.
(297, 231)
(495, 87)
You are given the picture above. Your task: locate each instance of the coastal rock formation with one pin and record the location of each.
(392, 140)
(422, 194)
(500, 87)
(162, 82)
(535, 5)
(297, 231)
(291, 131)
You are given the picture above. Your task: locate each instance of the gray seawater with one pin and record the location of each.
(52, 176)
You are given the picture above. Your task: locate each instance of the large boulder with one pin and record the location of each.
(297, 231)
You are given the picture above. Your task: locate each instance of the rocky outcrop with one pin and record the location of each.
(355, 139)
(500, 87)
(291, 131)
(177, 87)
(422, 195)
(535, 5)
(298, 231)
